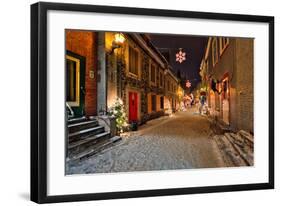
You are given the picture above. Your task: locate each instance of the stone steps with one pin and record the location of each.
(97, 148)
(76, 120)
(74, 127)
(84, 133)
(82, 145)
(236, 149)
(86, 137)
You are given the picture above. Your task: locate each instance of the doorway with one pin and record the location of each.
(75, 83)
(225, 100)
(133, 106)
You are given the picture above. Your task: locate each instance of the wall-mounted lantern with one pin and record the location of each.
(118, 41)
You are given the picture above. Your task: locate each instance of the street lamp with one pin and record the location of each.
(118, 41)
(180, 93)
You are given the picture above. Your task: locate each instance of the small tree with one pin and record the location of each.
(119, 112)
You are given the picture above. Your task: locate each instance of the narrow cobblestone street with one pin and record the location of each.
(178, 142)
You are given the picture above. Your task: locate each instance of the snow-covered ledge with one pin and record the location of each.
(108, 122)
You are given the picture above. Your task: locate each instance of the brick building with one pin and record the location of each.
(81, 67)
(227, 72)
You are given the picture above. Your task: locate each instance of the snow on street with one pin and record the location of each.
(178, 142)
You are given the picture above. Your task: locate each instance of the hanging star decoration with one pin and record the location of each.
(188, 84)
(180, 56)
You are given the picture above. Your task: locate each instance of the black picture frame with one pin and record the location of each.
(39, 101)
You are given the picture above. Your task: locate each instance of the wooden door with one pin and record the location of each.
(225, 101)
(133, 106)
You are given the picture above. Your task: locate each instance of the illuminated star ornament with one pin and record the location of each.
(180, 56)
(188, 84)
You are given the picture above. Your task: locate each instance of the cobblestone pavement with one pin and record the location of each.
(178, 142)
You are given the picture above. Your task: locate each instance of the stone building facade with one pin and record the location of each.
(139, 75)
(227, 71)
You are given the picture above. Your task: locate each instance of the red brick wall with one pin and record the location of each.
(84, 44)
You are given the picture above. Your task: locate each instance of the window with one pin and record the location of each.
(153, 102)
(168, 85)
(215, 51)
(153, 73)
(72, 80)
(133, 61)
(161, 102)
(224, 42)
(158, 76)
(161, 79)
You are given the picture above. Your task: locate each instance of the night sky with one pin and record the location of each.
(193, 46)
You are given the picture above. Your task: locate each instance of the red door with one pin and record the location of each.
(133, 106)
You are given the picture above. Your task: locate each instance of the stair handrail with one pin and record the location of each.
(101, 118)
(70, 109)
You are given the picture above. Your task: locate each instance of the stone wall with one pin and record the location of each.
(236, 63)
(245, 88)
